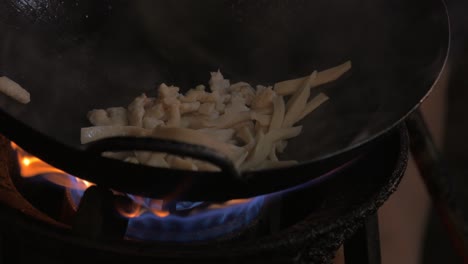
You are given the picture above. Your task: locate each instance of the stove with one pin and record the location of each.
(51, 216)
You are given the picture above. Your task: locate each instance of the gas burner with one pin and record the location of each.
(306, 223)
(165, 220)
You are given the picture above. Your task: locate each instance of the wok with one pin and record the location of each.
(74, 56)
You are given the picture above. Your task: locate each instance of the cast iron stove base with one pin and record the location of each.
(314, 222)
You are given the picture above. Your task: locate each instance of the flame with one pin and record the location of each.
(31, 166)
(161, 214)
(26, 162)
(229, 203)
(134, 211)
(141, 205)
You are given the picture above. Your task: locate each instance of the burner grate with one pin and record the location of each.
(313, 222)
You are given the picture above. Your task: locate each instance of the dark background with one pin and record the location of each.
(437, 247)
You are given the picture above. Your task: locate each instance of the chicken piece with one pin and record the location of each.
(165, 91)
(167, 102)
(226, 98)
(136, 111)
(189, 107)
(218, 83)
(243, 90)
(192, 96)
(14, 90)
(168, 95)
(201, 96)
(207, 109)
(150, 122)
(264, 98)
(220, 106)
(174, 115)
(99, 117)
(156, 111)
(116, 116)
(236, 105)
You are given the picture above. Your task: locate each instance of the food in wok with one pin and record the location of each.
(249, 126)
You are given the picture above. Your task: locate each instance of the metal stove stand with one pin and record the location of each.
(364, 246)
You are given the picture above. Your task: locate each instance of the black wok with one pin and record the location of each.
(74, 56)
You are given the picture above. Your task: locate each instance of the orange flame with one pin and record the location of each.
(134, 211)
(31, 166)
(160, 213)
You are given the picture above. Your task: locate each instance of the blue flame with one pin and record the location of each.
(203, 223)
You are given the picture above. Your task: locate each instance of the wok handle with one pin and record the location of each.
(198, 152)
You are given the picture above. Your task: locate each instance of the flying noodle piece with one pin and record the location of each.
(14, 90)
